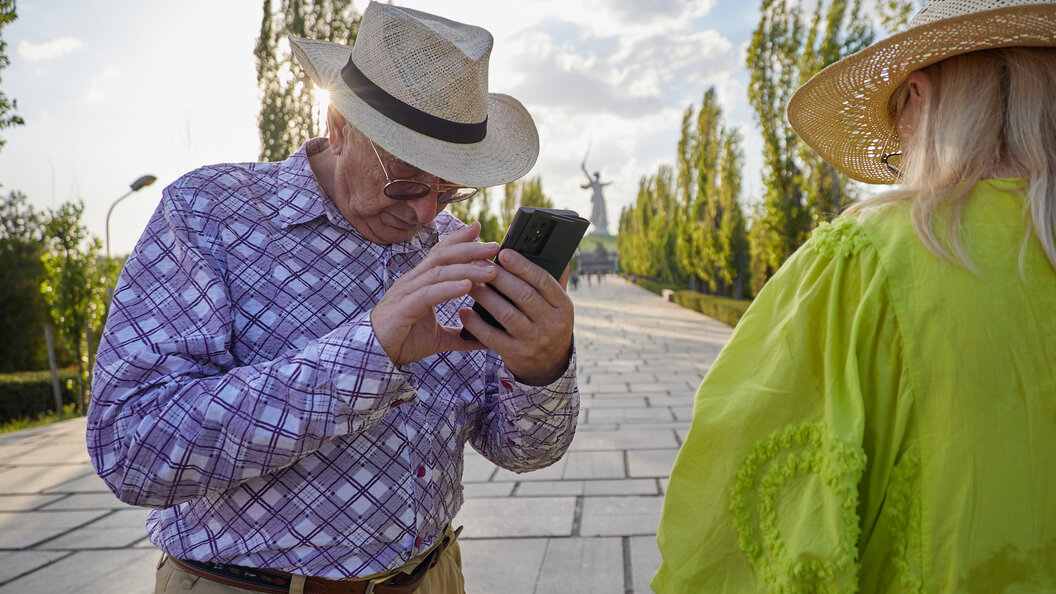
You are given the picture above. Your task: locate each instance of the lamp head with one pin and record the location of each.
(142, 182)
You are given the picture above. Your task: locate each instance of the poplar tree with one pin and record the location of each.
(801, 190)
(288, 111)
(731, 234)
(773, 64)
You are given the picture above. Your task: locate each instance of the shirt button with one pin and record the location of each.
(506, 384)
(417, 542)
(421, 471)
(388, 262)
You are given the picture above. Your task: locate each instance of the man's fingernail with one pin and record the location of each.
(484, 264)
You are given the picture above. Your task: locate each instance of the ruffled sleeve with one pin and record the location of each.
(766, 492)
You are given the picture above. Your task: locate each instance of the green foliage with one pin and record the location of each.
(75, 285)
(726, 310)
(490, 228)
(801, 189)
(653, 286)
(709, 247)
(521, 193)
(288, 113)
(8, 107)
(26, 395)
(895, 14)
(23, 312)
(648, 231)
(531, 193)
(68, 412)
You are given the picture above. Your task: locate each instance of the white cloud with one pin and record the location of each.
(49, 50)
(95, 94)
(558, 66)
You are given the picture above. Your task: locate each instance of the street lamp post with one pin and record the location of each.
(136, 186)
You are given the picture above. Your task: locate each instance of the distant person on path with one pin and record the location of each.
(575, 280)
(883, 419)
(281, 376)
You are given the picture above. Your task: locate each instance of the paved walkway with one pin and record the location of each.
(585, 524)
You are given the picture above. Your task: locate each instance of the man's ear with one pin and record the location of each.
(335, 125)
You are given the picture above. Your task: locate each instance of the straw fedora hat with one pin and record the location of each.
(842, 112)
(417, 85)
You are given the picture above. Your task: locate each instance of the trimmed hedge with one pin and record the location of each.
(723, 309)
(651, 285)
(28, 394)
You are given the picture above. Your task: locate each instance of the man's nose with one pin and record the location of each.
(427, 207)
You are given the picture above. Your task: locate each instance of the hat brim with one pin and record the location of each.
(842, 112)
(507, 152)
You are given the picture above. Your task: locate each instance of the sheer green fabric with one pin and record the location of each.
(881, 420)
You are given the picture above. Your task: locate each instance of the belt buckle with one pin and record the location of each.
(378, 580)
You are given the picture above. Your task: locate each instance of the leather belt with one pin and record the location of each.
(273, 581)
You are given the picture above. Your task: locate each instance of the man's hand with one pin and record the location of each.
(538, 322)
(404, 320)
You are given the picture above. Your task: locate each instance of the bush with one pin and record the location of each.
(28, 394)
(651, 285)
(723, 309)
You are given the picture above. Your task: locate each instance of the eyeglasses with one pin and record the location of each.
(409, 189)
(892, 161)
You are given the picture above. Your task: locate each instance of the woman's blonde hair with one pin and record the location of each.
(988, 114)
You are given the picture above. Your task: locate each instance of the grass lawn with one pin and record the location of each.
(590, 242)
(45, 419)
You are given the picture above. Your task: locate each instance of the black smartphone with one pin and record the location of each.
(547, 237)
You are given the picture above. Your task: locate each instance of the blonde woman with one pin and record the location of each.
(884, 417)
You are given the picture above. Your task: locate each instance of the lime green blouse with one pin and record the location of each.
(882, 420)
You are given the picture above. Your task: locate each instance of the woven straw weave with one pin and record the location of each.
(440, 67)
(842, 112)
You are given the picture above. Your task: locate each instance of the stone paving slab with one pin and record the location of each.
(19, 503)
(584, 524)
(618, 516)
(584, 565)
(23, 530)
(17, 563)
(645, 559)
(39, 478)
(119, 529)
(658, 463)
(588, 488)
(507, 565)
(125, 571)
(517, 517)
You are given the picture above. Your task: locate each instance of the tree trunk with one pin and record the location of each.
(56, 389)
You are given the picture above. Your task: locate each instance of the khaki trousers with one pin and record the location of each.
(444, 578)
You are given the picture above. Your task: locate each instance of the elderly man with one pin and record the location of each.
(282, 377)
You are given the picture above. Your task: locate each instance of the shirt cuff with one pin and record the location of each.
(520, 399)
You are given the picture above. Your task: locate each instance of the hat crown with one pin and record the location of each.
(938, 10)
(433, 64)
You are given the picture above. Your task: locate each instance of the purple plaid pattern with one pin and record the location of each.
(240, 391)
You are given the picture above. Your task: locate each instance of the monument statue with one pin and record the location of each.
(598, 214)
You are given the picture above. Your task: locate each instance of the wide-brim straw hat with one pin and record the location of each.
(843, 112)
(417, 85)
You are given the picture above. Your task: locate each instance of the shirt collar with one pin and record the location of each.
(301, 198)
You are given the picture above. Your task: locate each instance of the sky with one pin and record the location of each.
(114, 89)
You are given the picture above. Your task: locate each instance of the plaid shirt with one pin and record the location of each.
(240, 391)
